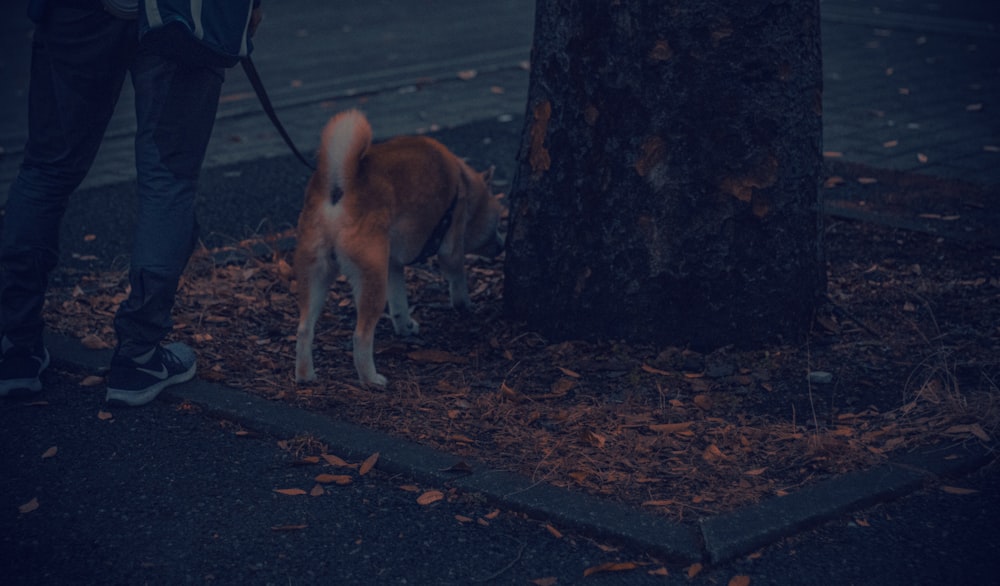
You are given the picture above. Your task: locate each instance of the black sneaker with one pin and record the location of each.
(20, 369)
(137, 383)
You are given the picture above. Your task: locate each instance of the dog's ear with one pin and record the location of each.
(487, 175)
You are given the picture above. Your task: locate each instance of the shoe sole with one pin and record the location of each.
(20, 387)
(141, 397)
(24, 387)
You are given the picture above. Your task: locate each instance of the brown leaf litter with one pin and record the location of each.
(912, 341)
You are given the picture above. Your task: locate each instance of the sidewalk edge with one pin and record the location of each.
(715, 539)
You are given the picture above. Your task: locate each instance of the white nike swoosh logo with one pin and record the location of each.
(160, 374)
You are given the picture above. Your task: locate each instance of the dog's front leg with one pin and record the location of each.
(399, 308)
(453, 268)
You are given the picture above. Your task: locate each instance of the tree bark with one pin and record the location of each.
(668, 178)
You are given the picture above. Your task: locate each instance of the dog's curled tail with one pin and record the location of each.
(346, 137)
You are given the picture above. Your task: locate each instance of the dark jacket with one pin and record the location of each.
(36, 8)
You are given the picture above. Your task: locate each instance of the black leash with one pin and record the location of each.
(265, 102)
(437, 236)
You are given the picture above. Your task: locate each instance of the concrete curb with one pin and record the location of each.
(714, 539)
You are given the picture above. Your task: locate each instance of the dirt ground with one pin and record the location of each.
(905, 354)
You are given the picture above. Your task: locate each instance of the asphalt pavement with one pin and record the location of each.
(185, 490)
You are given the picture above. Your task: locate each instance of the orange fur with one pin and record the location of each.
(391, 197)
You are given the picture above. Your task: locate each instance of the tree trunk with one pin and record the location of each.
(667, 184)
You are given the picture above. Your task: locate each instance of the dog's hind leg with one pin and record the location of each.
(399, 308)
(315, 275)
(368, 279)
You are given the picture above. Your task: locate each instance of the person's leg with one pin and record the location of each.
(175, 112)
(78, 65)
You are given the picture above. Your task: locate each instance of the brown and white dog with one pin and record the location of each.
(371, 209)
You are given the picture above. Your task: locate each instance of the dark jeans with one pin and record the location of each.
(79, 61)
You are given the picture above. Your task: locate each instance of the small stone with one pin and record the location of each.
(818, 377)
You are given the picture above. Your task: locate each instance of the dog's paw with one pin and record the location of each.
(304, 374)
(462, 303)
(410, 328)
(377, 380)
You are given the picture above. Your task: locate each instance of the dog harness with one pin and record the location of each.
(433, 243)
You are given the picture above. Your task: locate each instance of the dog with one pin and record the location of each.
(370, 209)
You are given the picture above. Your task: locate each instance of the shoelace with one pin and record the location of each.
(170, 360)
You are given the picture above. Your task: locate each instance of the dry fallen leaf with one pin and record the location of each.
(703, 402)
(28, 506)
(368, 464)
(463, 519)
(610, 567)
(555, 532)
(660, 503)
(654, 370)
(337, 461)
(568, 372)
(104, 415)
(549, 581)
(972, 428)
(833, 181)
(290, 491)
(285, 270)
(467, 74)
(430, 497)
(713, 454)
(93, 342)
(693, 570)
(594, 439)
(661, 571)
(92, 381)
(739, 581)
(460, 467)
(957, 490)
(333, 479)
(317, 490)
(670, 427)
(559, 389)
(49, 453)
